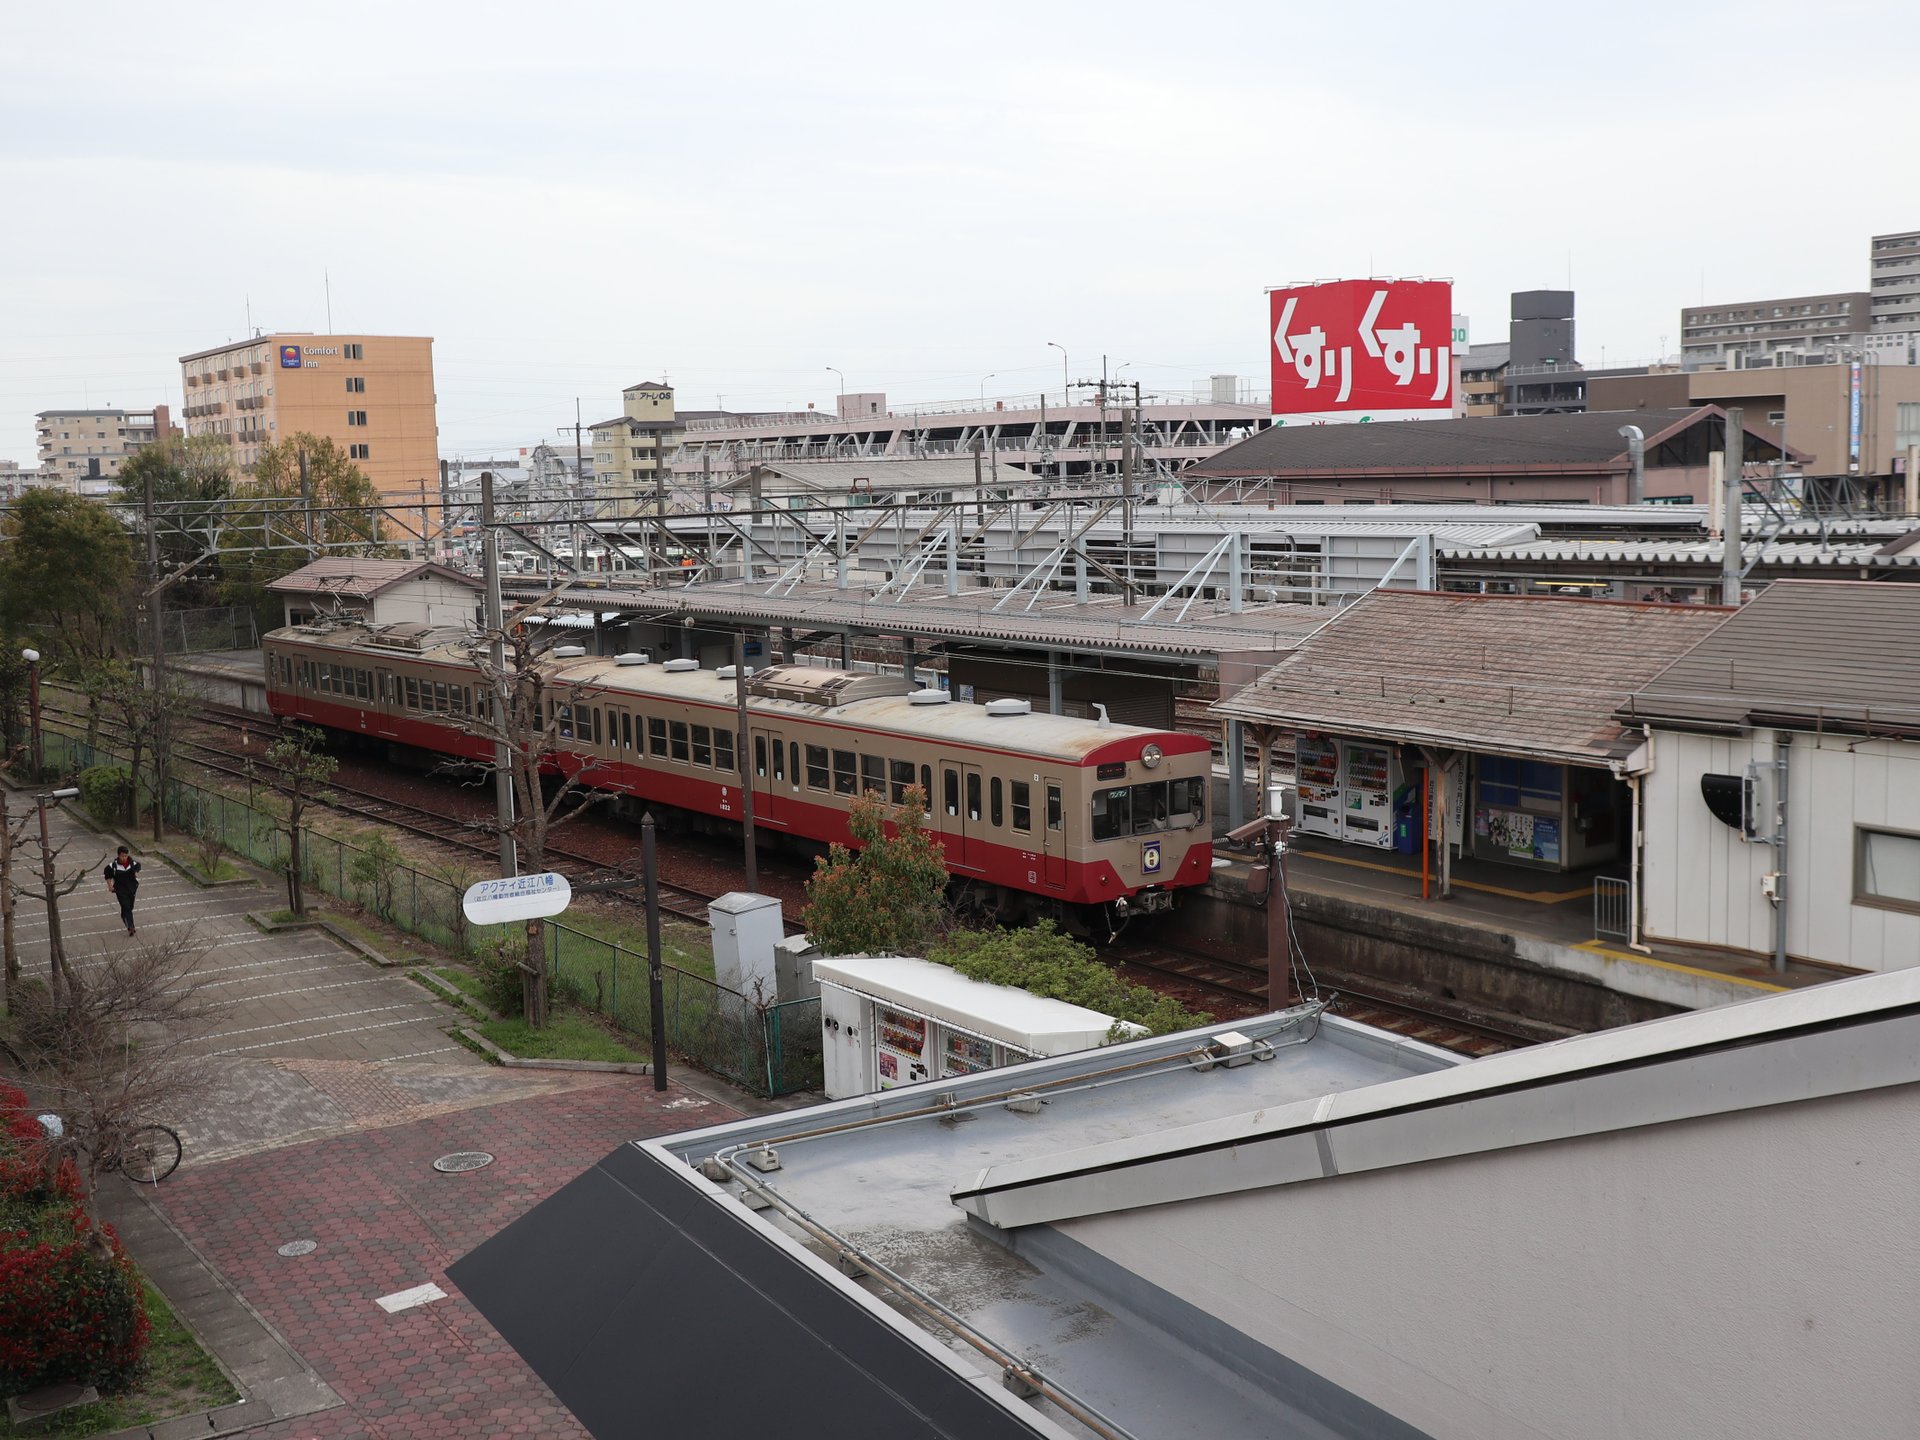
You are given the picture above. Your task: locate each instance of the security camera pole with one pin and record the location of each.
(1272, 830)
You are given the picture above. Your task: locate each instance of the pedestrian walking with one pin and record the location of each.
(123, 879)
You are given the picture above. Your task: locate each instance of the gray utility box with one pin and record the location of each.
(745, 929)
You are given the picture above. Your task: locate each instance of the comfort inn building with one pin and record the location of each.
(371, 394)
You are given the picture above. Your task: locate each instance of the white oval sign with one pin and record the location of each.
(520, 897)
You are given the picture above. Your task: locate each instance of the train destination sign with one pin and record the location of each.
(519, 897)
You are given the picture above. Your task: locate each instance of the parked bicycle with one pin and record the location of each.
(145, 1154)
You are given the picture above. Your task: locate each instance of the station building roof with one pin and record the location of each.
(1476, 445)
(1803, 653)
(360, 578)
(1534, 676)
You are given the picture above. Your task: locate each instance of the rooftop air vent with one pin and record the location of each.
(929, 697)
(632, 657)
(677, 666)
(725, 672)
(1009, 707)
(568, 652)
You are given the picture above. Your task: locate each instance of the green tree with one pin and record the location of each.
(66, 574)
(277, 523)
(298, 769)
(193, 484)
(886, 897)
(1045, 962)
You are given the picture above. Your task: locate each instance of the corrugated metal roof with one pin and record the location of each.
(1052, 624)
(359, 577)
(1524, 675)
(1833, 653)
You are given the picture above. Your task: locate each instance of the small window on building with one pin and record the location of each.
(1886, 870)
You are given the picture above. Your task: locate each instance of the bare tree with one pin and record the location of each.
(298, 770)
(112, 1048)
(145, 717)
(11, 837)
(54, 888)
(522, 708)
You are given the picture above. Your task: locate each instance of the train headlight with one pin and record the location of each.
(1150, 756)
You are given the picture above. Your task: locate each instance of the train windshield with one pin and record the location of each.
(1143, 809)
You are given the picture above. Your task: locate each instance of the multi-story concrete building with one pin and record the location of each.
(1894, 332)
(93, 444)
(1037, 438)
(1791, 330)
(631, 451)
(371, 394)
(1483, 371)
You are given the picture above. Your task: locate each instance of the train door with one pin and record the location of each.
(1053, 836)
(962, 818)
(387, 702)
(770, 803)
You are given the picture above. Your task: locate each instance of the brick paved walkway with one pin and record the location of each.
(386, 1221)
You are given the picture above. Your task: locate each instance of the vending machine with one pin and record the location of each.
(1316, 768)
(1369, 776)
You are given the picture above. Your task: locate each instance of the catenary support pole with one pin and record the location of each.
(1733, 554)
(656, 978)
(502, 691)
(740, 748)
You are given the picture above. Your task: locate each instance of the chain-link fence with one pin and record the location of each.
(209, 627)
(773, 1048)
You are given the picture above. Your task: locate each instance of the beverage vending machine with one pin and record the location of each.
(1346, 788)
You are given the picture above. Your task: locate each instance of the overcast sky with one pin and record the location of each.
(571, 198)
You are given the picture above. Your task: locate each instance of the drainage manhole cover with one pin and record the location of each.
(299, 1247)
(462, 1161)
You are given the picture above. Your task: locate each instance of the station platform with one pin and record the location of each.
(227, 677)
(1520, 940)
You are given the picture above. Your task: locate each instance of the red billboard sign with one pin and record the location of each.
(1363, 350)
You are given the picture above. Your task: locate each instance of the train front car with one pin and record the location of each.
(1143, 829)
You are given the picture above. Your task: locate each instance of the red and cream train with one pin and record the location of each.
(1039, 814)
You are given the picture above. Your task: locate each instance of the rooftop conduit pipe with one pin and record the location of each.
(1637, 456)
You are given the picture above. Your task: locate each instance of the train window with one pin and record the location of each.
(1187, 802)
(598, 735)
(793, 762)
(626, 730)
(845, 774)
(364, 682)
(1143, 809)
(1111, 813)
(1053, 807)
(722, 749)
(413, 693)
(779, 767)
(873, 774)
(326, 677)
(677, 733)
(973, 795)
(702, 746)
(1022, 805)
(951, 788)
(760, 756)
(817, 776)
(656, 736)
(902, 780)
(993, 795)
(440, 696)
(563, 715)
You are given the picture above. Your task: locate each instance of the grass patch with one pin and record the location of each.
(465, 981)
(181, 1379)
(569, 1035)
(682, 943)
(222, 870)
(386, 942)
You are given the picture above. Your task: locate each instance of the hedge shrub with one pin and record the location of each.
(1042, 960)
(103, 790)
(71, 1307)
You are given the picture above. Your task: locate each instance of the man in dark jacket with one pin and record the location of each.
(123, 879)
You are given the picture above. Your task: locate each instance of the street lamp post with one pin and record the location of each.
(1066, 388)
(840, 399)
(983, 389)
(32, 657)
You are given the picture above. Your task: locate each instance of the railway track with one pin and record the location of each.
(1354, 997)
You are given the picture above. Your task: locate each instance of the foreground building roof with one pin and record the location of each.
(360, 578)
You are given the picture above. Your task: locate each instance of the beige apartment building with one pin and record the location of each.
(632, 451)
(80, 445)
(371, 394)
